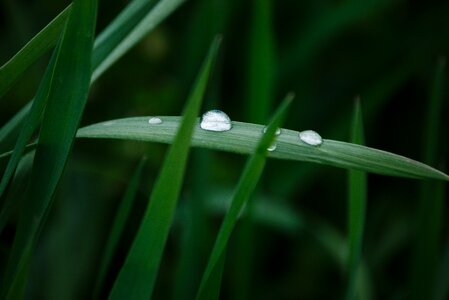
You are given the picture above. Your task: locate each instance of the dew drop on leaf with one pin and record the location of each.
(154, 121)
(310, 137)
(215, 120)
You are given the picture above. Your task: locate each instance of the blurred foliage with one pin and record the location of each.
(327, 51)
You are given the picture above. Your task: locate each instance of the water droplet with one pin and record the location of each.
(272, 147)
(109, 123)
(310, 137)
(155, 121)
(278, 131)
(215, 120)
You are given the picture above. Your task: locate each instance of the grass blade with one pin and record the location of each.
(67, 96)
(356, 208)
(243, 139)
(247, 183)
(32, 51)
(138, 275)
(118, 226)
(430, 212)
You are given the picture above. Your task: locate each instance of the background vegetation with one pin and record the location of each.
(292, 242)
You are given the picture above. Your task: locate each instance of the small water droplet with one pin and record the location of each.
(108, 123)
(310, 137)
(272, 147)
(215, 120)
(154, 121)
(278, 131)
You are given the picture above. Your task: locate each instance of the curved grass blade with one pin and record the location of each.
(32, 51)
(138, 275)
(430, 211)
(356, 208)
(243, 139)
(67, 96)
(116, 231)
(247, 183)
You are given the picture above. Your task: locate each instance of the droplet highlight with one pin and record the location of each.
(311, 137)
(277, 133)
(154, 121)
(272, 147)
(215, 120)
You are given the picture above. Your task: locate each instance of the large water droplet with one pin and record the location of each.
(155, 121)
(215, 120)
(272, 147)
(278, 131)
(310, 137)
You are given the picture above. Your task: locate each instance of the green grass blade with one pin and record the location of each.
(66, 100)
(247, 183)
(356, 207)
(430, 212)
(137, 277)
(156, 15)
(261, 63)
(118, 226)
(32, 51)
(243, 139)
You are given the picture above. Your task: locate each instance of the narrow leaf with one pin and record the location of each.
(67, 95)
(138, 275)
(243, 137)
(247, 183)
(357, 187)
(118, 226)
